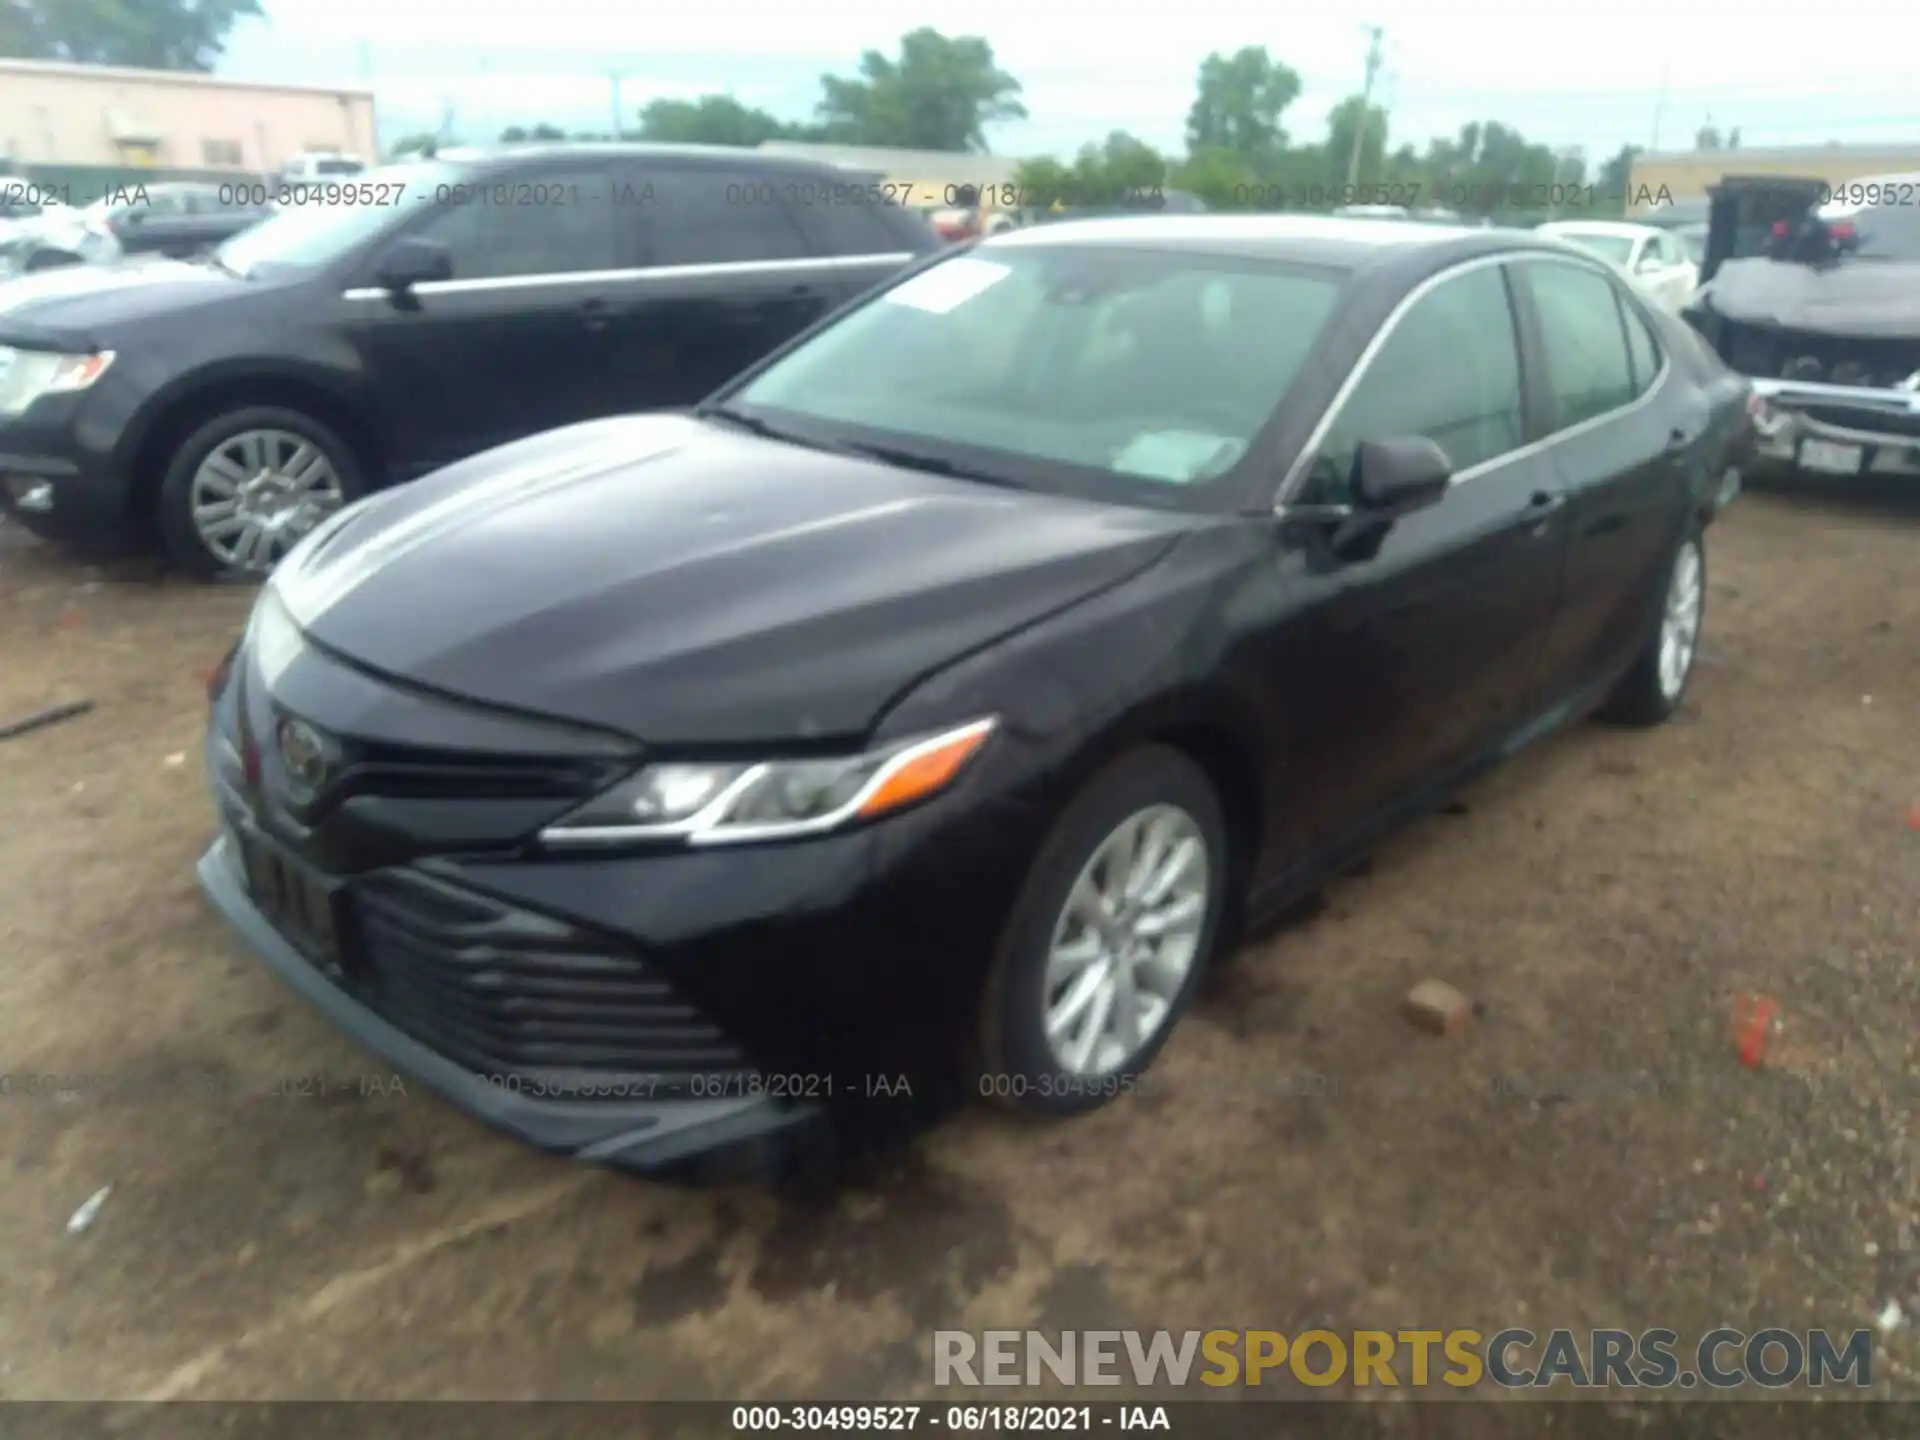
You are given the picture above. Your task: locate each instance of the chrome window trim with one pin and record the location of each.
(809, 265)
(1296, 474)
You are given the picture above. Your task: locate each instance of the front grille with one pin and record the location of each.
(510, 993)
(416, 773)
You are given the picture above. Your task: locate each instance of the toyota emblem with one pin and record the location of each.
(304, 755)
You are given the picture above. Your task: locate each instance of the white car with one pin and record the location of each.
(1655, 260)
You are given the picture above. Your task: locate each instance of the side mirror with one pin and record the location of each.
(413, 261)
(1391, 477)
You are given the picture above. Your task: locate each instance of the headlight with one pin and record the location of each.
(26, 375)
(727, 803)
(272, 639)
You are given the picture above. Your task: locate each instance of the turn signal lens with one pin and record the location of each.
(917, 773)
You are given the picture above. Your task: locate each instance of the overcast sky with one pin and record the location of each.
(1590, 77)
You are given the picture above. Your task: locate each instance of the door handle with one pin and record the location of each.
(595, 314)
(1542, 506)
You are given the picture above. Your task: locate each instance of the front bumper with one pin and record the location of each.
(664, 1138)
(62, 477)
(1878, 429)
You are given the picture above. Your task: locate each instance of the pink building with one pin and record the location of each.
(96, 115)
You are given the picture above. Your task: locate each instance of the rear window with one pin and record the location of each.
(1889, 230)
(338, 167)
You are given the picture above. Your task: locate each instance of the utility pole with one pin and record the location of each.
(1659, 109)
(613, 82)
(1374, 35)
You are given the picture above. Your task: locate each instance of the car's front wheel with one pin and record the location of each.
(1108, 940)
(1655, 685)
(246, 485)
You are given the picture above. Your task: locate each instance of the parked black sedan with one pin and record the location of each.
(382, 326)
(940, 696)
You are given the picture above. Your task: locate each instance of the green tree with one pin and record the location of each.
(1224, 179)
(146, 34)
(1239, 101)
(1487, 167)
(424, 143)
(711, 120)
(940, 94)
(1119, 169)
(1354, 119)
(517, 134)
(1610, 185)
(1707, 137)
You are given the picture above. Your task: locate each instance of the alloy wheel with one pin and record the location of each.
(1126, 940)
(1680, 624)
(257, 493)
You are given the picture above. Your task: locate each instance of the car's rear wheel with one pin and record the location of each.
(248, 484)
(1108, 940)
(1654, 688)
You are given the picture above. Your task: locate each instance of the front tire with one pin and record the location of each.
(1655, 686)
(1108, 940)
(246, 485)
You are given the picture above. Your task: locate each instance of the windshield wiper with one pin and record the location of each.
(931, 464)
(213, 258)
(886, 454)
(752, 423)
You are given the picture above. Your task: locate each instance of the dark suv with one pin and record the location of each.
(413, 315)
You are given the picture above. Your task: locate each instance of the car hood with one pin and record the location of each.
(692, 585)
(84, 303)
(1858, 299)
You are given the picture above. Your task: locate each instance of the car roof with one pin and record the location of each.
(730, 156)
(1302, 239)
(1626, 229)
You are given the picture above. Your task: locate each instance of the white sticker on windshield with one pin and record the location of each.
(944, 287)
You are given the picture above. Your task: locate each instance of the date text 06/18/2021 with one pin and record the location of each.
(947, 1419)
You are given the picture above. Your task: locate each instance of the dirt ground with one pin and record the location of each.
(1590, 1153)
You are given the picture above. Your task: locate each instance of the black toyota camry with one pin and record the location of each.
(938, 698)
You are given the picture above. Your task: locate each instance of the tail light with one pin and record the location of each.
(1781, 229)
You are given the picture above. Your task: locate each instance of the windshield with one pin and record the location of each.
(1615, 249)
(309, 236)
(1151, 367)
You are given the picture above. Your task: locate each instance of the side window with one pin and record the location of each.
(1642, 351)
(1449, 371)
(1670, 251)
(557, 224)
(845, 220)
(702, 216)
(1588, 371)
